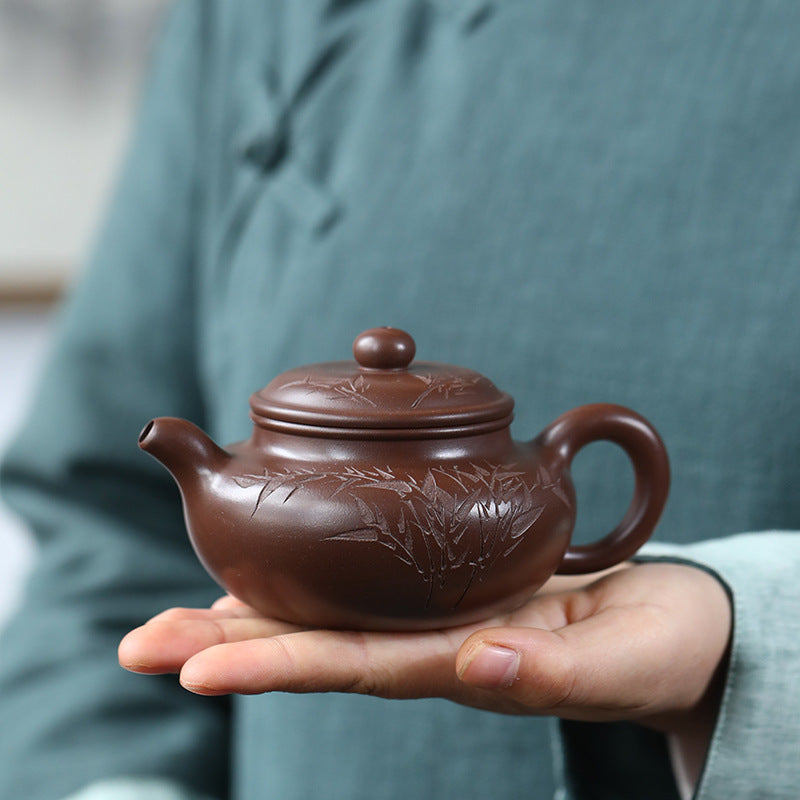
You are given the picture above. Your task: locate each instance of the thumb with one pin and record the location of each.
(613, 665)
(646, 641)
(531, 666)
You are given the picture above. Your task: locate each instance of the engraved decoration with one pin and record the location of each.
(429, 528)
(348, 388)
(445, 385)
(356, 388)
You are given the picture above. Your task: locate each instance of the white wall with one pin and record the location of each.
(69, 80)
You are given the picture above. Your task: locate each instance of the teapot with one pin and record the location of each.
(382, 494)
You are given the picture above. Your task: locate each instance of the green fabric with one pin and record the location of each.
(760, 705)
(584, 201)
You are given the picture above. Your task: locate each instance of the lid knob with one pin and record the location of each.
(384, 348)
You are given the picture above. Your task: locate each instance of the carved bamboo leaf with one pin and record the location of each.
(372, 517)
(246, 481)
(345, 484)
(401, 487)
(510, 549)
(369, 534)
(429, 487)
(559, 492)
(463, 510)
(524, 520)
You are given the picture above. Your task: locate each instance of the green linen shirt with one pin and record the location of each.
(584, 201)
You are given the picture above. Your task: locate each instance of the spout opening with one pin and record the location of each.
(181, 447)
(145, 431)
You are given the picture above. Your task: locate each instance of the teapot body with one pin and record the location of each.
(383, 535)
(386, 495)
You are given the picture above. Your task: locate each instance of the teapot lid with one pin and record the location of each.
(382, 395)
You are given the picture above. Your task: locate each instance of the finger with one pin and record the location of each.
(229, 602)
(620, 663)
(388, 665)
(575, 672)
(238, 610)
(165, 644)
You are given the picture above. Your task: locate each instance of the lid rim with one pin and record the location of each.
(375, 433)
(503, 406)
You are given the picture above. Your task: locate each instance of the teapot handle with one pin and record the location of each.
(605, 422)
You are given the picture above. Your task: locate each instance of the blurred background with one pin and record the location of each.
(70, 72)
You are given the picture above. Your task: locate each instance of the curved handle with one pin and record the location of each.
(605, 422)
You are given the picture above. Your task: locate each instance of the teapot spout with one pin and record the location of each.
(186, 451)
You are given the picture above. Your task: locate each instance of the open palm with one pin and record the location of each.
(639, 643)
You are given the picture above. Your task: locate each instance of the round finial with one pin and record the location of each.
(384, 348)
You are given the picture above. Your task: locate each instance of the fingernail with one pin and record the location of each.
(197, 686)
(490, 666)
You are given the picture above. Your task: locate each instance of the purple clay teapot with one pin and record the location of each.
(385, 495)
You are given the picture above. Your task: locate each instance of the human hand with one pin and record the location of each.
(640, 643)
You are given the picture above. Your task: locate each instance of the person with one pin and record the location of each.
(581, 202)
